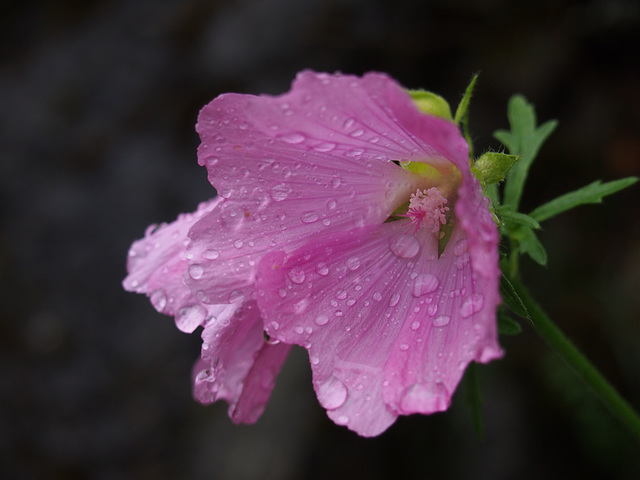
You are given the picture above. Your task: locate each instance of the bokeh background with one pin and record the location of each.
(98, 101)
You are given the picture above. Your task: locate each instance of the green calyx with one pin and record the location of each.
(492, 167)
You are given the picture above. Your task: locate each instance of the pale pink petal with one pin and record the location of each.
(157, 267)
(352, 119)
(314, 160)
(238, 365)
(389, 326)
(227, 243)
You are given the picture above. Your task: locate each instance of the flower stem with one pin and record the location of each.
(545, 327)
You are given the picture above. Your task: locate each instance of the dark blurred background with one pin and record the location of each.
(98, 102)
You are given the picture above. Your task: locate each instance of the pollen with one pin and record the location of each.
(427, 208)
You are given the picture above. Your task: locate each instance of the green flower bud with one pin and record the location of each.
(492, 167)
(431, 104)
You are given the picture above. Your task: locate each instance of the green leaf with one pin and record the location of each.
(474, 397)
(463, 106)
(524, 139)
(511, 299)
(492, 167)
(530, 244)
(508, 215)
(462, 114)
(592, 193)
(507, 325)
(431, 103)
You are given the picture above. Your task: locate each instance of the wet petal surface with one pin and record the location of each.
(389, 331)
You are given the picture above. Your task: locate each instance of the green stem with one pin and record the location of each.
(578, 362)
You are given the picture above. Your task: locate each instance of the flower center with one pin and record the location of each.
(427, 209)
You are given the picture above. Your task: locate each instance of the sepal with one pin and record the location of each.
(492, 167)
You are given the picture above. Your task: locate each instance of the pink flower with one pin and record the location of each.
(388, 276)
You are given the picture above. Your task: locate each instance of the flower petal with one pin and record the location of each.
(389, 326)
(350, 118)
(237, 365)
(157, 267)
(314, 160)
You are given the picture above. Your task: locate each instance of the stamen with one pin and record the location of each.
(427, 209)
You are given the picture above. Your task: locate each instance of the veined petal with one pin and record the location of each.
(314, 160)
(238, 365)
(437, 136)
(389, 326)
(227, 243)
(350, 118)
(156, 266)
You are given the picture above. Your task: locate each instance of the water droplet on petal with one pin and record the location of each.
(377, 296)
(404, 347)
(236, 296)
(297, 275)
(324, 147)
(357, 133)
(205, 375)
(238, 243)
(335, 182)
(321, 319)
(158, 300)
(472, 305)
(196, 271)
(441, 320)
(280, 191)
(424, 283)
(342, 420)
(421, 398)
(331, 204)
(415, 325)
(353, 263)
(460, 247)
(404, 246)
(293, 137)
(298, 329)
(190, 317)
(332, 393)
(210, 254)
(395, 298)
(355, 153)
(322, 269)
(462, 261)
(309, 217)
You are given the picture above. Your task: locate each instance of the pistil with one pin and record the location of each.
(427, 209)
